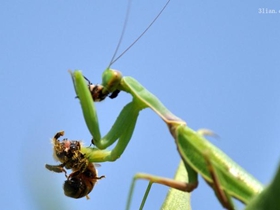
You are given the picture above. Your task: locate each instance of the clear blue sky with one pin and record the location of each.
(214, 64)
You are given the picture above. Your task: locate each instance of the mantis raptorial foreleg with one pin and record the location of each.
(191, 145)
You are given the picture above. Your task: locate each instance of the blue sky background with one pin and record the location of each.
(213, 64)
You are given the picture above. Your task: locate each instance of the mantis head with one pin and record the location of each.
(110, 81)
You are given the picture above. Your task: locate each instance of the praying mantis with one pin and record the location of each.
(199, 156)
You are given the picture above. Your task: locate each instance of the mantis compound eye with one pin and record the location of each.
(110, 81)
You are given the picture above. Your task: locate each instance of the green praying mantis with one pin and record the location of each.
(199, 156)
(227, 179)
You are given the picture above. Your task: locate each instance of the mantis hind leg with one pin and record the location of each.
(221, 194)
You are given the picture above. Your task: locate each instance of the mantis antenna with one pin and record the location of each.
(113, 60)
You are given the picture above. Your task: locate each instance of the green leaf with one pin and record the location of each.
(269, 198)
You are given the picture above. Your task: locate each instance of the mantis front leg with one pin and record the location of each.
(121, 130)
